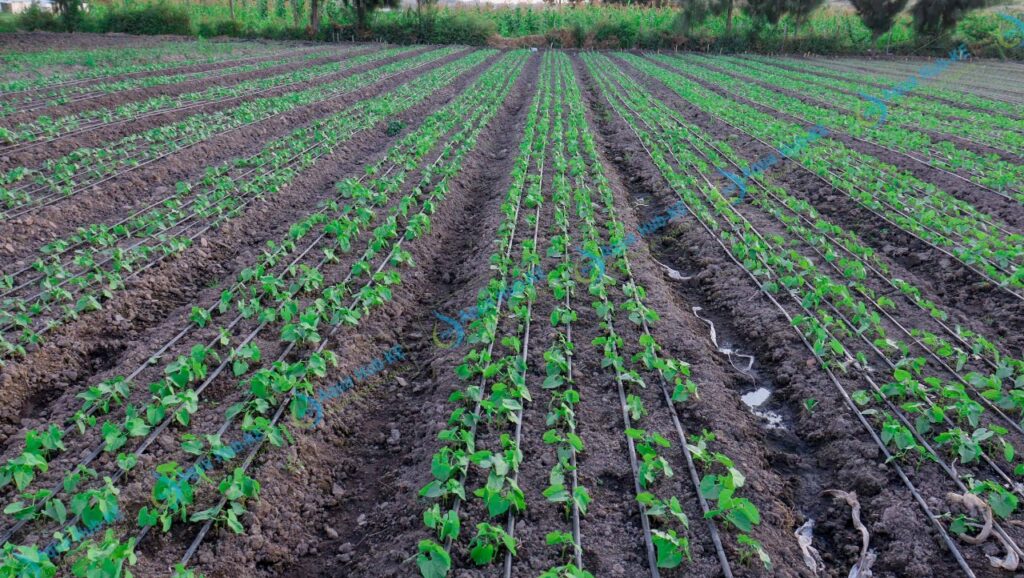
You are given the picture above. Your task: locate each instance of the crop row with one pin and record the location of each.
(996, 131)
(918, 413)
(921, 93)
(75, 93)
(450, 465)
(250, 306)
(403, 97)
(719, 487)
(139, 60)
(88, 266)
(313, 304)
(862, 264)
(988, 170)
(47, 127)
(481, 455)
(24, 187)
(950, 225)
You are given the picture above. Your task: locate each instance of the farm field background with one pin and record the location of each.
(357, 309)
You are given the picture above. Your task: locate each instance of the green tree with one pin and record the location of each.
(801, 9)
(363, 9)
(766, 11)
(693, 13)
(771, 11)
(878, 15)
(937, 16)
(70, 12)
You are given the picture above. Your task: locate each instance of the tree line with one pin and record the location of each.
(929, 16)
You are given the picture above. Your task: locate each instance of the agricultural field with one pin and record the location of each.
(295, 309)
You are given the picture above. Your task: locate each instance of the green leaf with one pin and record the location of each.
(482, 554)
(432, 560)
(1003, 503)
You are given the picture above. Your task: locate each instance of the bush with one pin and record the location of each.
(71, 14)
(153, 19)
(403, 28)
(610, 33)
(35, 18)
(8, 23)
(429, 26)
(462, 27)
(277, 32)
(656, 39)
(220, 28)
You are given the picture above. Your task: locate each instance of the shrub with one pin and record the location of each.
(152, 19)
(8, 23)
(35, 18)
(279, 32)
(610, 33)
(462, 27)
(219, 28)
(402, 28)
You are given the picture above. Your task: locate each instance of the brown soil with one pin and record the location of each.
(343, 500)
(139, 187)
(115, 99)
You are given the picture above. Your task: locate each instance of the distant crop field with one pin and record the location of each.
(293, 309)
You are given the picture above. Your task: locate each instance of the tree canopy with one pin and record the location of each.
(937, 16)
(771, 11)
(879, 15)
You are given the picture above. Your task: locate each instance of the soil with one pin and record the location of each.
(343, 499)
(140, 186)
(40, 41)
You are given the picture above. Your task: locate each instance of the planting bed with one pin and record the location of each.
(366, 310)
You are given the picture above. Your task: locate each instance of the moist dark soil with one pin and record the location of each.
(343, 499)
(35, 154)
(838, 76)
(140, 186)
(40, 40)
(971, 299)
(217, 74)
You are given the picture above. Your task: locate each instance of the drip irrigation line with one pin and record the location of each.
(56, 197)
(688, 134)
(890, 459)
(925, 162)
(949, 470)
(500, 302)
(246, 95)
(939, 118)
(228, 215)
(252, 454)
(205, 529)
(215, 64)
(152, 436)
(871, 210)
(716, 539)
(286, 56)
